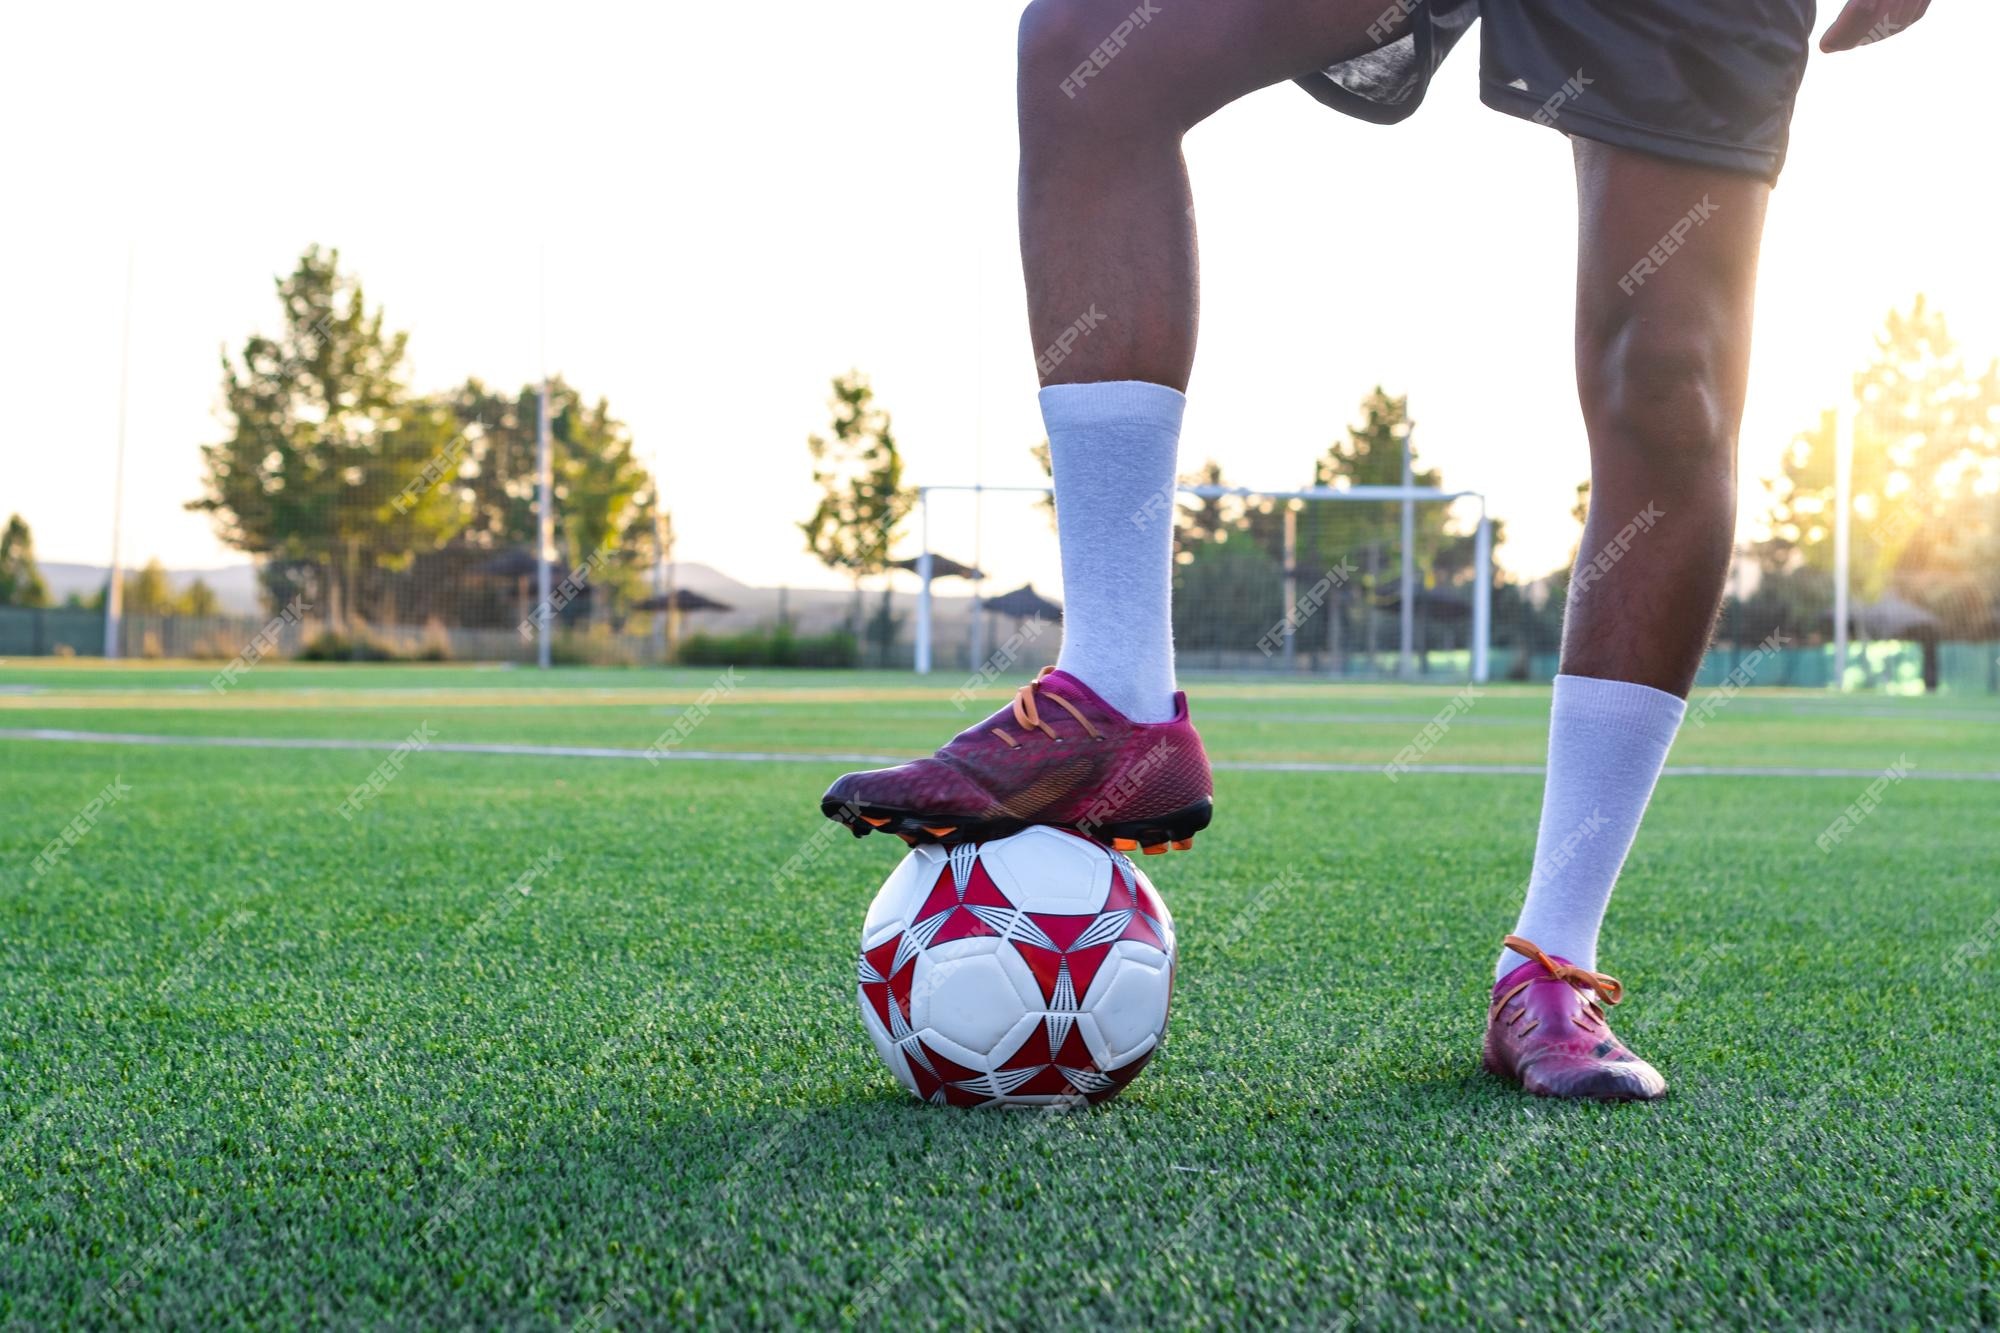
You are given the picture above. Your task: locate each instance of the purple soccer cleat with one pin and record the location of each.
(1057, 755)
(1546, 1031)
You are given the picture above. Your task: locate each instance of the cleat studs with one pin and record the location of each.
(878, 823)
(1183, 844)
(1124, 844)
(1156, 849)
(941, 830)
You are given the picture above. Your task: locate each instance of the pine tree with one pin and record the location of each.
(323, 436)
(20, 578)
(859, 472)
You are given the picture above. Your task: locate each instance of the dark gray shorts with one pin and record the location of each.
(1711, 82)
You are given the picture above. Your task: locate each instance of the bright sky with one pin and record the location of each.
(738, 202)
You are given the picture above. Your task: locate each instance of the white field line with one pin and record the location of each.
(450, 747)
(784, 757)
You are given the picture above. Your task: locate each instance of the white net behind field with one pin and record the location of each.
(1317, 587)
(1261, 583)
(1321, 586)
(996, 590)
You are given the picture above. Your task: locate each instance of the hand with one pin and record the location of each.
(1864, 22)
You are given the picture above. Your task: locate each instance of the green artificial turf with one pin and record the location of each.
(263, 1066)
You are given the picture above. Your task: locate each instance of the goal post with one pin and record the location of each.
(1289, 553)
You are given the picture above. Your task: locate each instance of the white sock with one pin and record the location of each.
(1112, 448)
(1608, 741)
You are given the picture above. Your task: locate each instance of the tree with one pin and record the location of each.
(859, 472)
(605, 500)
(324, 436)
(1366, 534)
(1046, 461)
(199, 600)
(1556, 582)
(604, 496)
(1372, 455)
(1926, 517)
(369, 501)
(1206, 520)
(20, 577)
(1227, 594)
(147, 591)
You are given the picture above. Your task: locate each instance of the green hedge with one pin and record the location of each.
(362, 646)
(773, 648)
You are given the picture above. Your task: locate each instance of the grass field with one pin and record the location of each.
(262, 1065)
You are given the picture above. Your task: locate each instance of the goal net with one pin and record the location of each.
(1380, 582)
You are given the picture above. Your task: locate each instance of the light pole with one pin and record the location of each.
(114, 593)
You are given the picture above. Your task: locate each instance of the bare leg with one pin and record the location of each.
(1107, 228)
(1666, 271)
(1662, 355)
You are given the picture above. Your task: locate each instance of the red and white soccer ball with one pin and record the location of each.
(1027, 971)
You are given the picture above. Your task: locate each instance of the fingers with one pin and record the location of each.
(1864, 22)
(1854, 20)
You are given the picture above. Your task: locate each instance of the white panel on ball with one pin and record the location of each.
(895, 900)
(1047, 870)
(1131, 988)
(962, 991)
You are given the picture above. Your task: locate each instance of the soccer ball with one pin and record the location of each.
(1032, 970)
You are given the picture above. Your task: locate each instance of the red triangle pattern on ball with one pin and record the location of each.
(1140, 928)
(980, 891)
(1063, 930)
(1074, 1054)
(900, 984)
(1121, 893)
(960, 925)
(1083, 965)
(1032, 1051)
(1121, 1078)
(1036, 1052)
(943, 897)
(1048, 1083)
(947, 1069)
(1046, 964)
(878, 993)
(882, 956)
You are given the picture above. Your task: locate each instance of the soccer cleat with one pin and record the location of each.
(1057, 755)
(1546, 1031)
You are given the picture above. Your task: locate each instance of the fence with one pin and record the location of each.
(1359, 581)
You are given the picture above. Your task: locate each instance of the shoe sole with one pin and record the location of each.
(1499, 1071)
(1151, 836)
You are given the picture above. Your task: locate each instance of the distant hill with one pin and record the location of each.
(705, 579)
(810, 610)
(235, 585)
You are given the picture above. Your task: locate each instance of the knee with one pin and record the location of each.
(1654, 396)
(1069, 75)
(1053, 55)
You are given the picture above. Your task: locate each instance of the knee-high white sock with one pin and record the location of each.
(1608, 741)
(1112, 448)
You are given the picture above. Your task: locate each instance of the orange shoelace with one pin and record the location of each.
(1606, 987)
(1028, 716)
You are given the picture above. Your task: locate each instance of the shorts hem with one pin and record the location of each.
(1364, 109)
(1763, 163)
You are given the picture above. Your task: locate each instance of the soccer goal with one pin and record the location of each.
(1384, 582)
